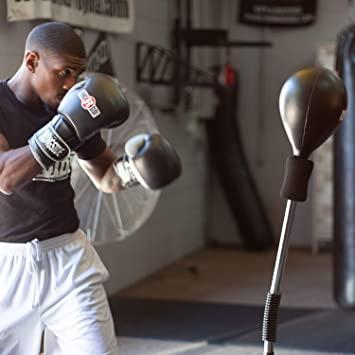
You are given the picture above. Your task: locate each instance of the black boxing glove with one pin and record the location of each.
(96, 102)
(149, 160)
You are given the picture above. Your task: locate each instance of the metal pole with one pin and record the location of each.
(283, 247)
(274, 295)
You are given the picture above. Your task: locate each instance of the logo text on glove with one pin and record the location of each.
(88, 103)
(51, 144)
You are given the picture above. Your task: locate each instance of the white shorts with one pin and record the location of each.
(54, 284)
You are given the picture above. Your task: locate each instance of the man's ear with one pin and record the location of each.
(31, 60)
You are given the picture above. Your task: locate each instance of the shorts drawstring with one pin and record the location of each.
(34, 260)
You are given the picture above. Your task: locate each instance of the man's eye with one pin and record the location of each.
(64, 73)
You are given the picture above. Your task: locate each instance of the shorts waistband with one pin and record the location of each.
(44, 245)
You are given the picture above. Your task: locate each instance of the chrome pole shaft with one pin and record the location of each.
(274, 295)
(281, 256)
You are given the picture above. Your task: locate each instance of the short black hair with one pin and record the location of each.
(55, 38)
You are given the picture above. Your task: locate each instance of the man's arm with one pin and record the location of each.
(101, 172)
(17, 166)
(148, 160)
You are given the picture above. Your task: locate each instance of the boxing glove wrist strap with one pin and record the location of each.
(123, 170)
(48, 147)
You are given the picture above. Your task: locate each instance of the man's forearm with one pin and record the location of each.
(17, 166)
(101, 172)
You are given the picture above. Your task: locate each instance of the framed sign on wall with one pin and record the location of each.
(115, 16)
(278, 13)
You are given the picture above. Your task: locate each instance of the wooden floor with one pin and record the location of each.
(235, 276)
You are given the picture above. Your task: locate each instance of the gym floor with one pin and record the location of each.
(212, 302)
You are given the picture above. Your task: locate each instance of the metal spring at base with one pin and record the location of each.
(270, 316)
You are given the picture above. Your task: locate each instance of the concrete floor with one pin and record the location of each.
(223, 276)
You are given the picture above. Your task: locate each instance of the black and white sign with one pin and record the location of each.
(99, 58)
(103, 15)
(282, 13)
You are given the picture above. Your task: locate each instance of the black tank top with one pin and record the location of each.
(44, 207)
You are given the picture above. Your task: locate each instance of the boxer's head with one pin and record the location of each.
(54, 57)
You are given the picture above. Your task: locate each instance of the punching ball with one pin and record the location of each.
(344, 179)
(228, 157)
(311, 105)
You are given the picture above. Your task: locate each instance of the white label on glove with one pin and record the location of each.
(59, 171)
(88, 103)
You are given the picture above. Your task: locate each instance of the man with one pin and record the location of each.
(50, 276)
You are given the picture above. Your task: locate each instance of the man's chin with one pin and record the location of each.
(52, 107)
